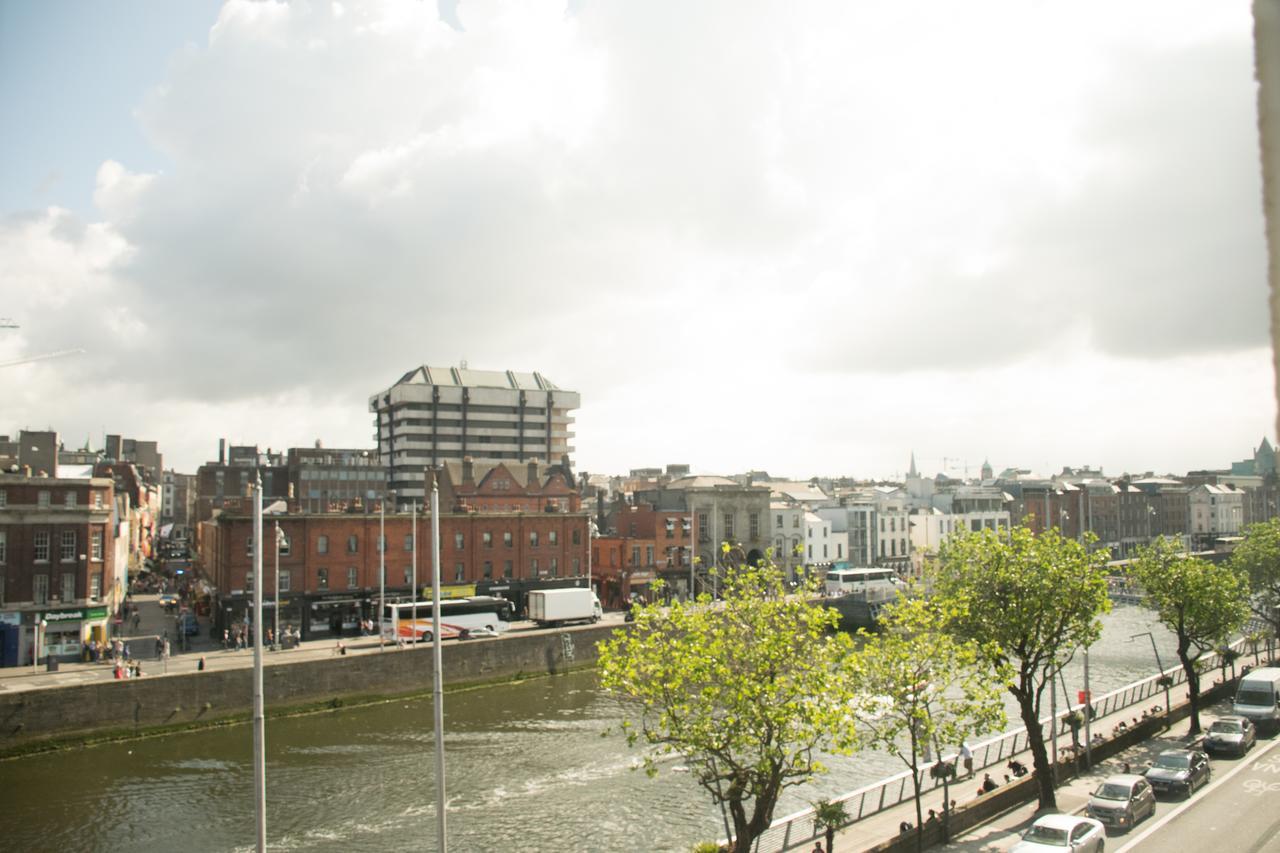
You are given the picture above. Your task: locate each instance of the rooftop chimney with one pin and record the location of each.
(468, 471)
(222, 451)
(533, 471)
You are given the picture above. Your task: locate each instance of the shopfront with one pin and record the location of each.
(338, 616)
(67, 629)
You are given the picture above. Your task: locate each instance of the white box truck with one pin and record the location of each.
(552, 607)
(1258, 698)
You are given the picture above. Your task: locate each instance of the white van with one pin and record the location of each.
(1258, 697)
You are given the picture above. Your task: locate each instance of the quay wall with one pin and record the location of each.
(33, 720)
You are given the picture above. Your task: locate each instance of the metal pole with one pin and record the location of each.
(1088, 714)
(275, 632)
(35, 649)
(438, 681)
(382, 564)
(1053, 727)
(588, 551)
(1044, 526)
(413, 510)
(692, 559)
(259, 727)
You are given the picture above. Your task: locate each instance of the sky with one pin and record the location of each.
(805, 238)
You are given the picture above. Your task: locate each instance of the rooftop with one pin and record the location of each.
(468, 378)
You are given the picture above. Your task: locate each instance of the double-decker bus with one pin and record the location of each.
(871, 585)
(478, 615)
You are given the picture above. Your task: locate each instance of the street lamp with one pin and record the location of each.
(382, 563)
(593, 533)
(275, 634)
(1151, 637)
(35, 653)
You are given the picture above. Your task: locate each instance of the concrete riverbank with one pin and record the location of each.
(37, 712)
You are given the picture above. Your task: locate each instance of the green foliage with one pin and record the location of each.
(748, 690)
(1203, 603)
(829, 816)
(1029, 602)
(1258, 559)
(920, 686)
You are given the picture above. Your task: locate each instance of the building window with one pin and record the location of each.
(533, 539)
(4, 546)
(408, 575)
(69, 499)
(40, 589)
(68, 591)
(42, 547)
(459, 572)
(488, 569)
(839, 551)
(352, 577)
(795, 521)
(553, 567)
(95, 587)
(552, 538)
(248, 581)
(248, 546)
(286, 582)
(824, 552)
(810, 552)
(648, 550)
(635, 555)
(322, 544)
(577, 536)
(4, 498)
(486, 539)
(95, 545)
(322, 578)
(381, 544)
(42, 498)
(282, 544)
(506, 538)
(353, 544)
(67, 548)
(704, 532)
(97, 500)
(728, 525)
(576, 566)
(533, 567)
(754, 520)
(458, 541)
(408, 541)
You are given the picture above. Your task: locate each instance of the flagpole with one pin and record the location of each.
(438, 692)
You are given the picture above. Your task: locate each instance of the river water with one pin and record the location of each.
(528, 769)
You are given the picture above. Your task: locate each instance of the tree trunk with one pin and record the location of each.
(1193, 689)
(915, 781)
(1039, 755)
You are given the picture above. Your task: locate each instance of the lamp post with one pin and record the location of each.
(382, 564)
(1151, 637)
(259, 725)
(593, 533)
(275, 633)
(436, 676)
(42, 625)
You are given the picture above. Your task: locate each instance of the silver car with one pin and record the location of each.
(1122, 800)
(1235, 735)
(1062, 833)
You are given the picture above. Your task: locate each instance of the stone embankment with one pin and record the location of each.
(47, 718)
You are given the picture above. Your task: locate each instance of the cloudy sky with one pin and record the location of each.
(808, 238)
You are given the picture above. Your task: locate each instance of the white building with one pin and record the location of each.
(787, 531)
(432, 415)
(1216, 511)
(820, 546)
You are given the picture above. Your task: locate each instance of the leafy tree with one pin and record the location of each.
(1201, 602)
(1029, 601)
(748, 690)
(1258, 559)
(829, 816)
(921, 687)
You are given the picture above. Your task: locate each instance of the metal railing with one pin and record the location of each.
(798, 831)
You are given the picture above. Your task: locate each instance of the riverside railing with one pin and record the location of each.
(798, 831)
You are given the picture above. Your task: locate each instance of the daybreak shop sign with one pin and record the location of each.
(75, 615)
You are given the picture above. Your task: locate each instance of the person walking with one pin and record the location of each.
(966, 755)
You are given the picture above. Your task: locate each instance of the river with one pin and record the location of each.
(528, 769)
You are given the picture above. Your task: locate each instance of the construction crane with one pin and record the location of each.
(7, 323)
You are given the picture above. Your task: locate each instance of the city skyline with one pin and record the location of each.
(850, 237)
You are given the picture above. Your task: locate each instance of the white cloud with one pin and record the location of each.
(751, 234)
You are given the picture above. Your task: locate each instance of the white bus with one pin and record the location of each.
(871, 585)
(479, 615)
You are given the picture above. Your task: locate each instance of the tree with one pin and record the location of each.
(1258, 559)
(1202, 603)
(829, 817)
(1030, 601)
(748, 689)
(921, 687)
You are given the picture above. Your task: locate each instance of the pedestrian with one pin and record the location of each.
(226, 639)
(200, 665)
(966, 755)
(817, 848)
(988, 784)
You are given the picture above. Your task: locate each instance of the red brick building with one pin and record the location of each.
(57, 563)
(533, 486)
(329, 562)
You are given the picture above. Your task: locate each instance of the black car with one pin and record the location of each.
(1178, 771)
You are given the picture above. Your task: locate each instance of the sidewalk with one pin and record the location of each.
(998, 833)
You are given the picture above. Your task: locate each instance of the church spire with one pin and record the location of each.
(912, 471)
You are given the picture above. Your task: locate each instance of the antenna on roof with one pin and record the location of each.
(462, 365)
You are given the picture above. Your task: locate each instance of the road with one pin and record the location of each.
(1237, 811)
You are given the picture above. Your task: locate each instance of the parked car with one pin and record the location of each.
(1235, 735)
(1059, 832)
(1122, 800)
(1178, 771)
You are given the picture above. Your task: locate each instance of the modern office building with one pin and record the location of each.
(434, 415)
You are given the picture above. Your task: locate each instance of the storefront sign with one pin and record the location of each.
(10, 618)
(456, 590)
(73, 615)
